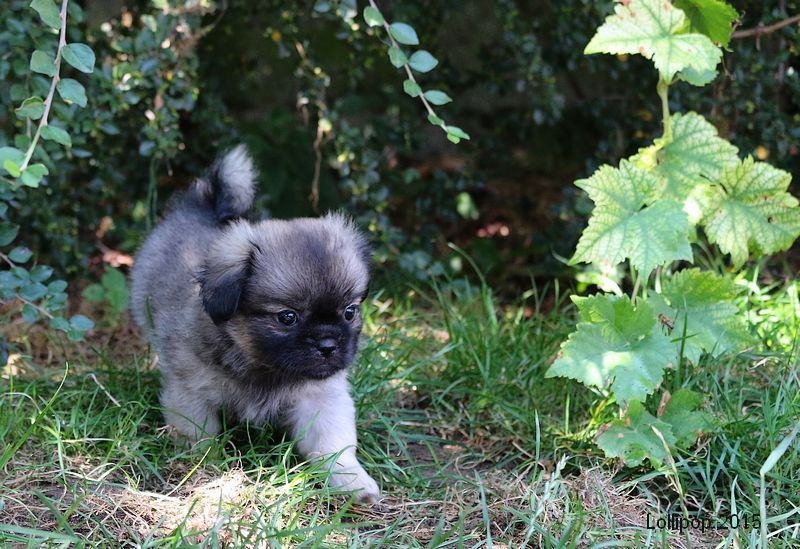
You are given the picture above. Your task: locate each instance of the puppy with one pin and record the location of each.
(259, 319)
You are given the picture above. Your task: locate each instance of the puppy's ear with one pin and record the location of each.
(227, 268)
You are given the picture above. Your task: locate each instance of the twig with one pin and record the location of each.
(317, 167)
(762, 30)
(48, 102)
(97, 381)
(405, 65)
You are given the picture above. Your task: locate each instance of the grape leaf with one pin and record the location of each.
(750, 210)
(713, 18)
(633, 440)
(654, 29)
(695, 151)
(701, 306)
(623, 227)
(686, 421)
(615, 344)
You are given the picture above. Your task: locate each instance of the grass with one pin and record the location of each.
(471, 444)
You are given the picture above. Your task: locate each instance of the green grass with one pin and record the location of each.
(471, 444)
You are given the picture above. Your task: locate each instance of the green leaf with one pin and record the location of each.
(702, 306)
(33, 174)
(56, 134)
(436, 97)
(32, 107)
(42, 63)
(623, 227)
(59, 323)
(94, 293)
(33, 291)
(396, 57)
(750, 210)
(40, 273)
(12, 168)
(29, 313)
(435, 120)
(81, 323)
(458, 132)
(713, 18)
(8, 232)
(373, 17)
(116, 289)
(56, 286)
(422, 61)
(411, 88)
(48, 11)
(466, 207)
(694, 155)
(71, 91)
(686, 421)
(654, 29)
(615, 345)
(20, 254)
(633, 440)
(404, 34)
(79, 56)
(10, 153)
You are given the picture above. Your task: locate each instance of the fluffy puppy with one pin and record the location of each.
(260, 319)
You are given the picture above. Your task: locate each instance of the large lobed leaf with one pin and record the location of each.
(699, 305)
(655, 29)
(686, 419)
(750, 210)
(633, 438)
(623, 226)
(615, 345)
(694, 154)
(713, 18)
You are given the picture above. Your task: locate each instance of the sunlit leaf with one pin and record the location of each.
(616, 346)
(750, 210)
(655, 30)
(404, 34)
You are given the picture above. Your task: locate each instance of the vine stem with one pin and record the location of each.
(48, 102)
(405, 65)
(663, 93)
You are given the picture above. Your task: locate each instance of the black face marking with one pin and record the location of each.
(320, 343)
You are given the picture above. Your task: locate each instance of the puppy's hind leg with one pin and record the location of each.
(188, 410)
(322, 420)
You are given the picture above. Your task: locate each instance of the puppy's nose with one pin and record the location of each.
(327, 346)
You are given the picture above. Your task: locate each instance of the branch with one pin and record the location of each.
(405, 65)
(761, 30)
(48, 102)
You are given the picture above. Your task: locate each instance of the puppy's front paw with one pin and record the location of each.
(357, 480)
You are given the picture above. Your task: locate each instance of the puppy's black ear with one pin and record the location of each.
(221, 293)
(224, 275)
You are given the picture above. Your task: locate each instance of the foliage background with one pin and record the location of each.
(177, 81)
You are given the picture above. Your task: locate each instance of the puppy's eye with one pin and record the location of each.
(350, 312)
(287, 317)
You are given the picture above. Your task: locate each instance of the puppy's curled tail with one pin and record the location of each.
(229, 185)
